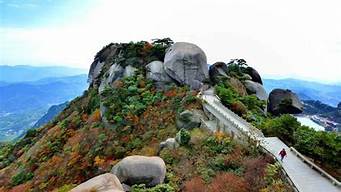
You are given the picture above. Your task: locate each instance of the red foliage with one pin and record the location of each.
(118, 84)
(196, 184)
(21, 188)
(255, 172)
(228, 182)
(235, 158)
(239, 108)
(170, 93)
(95, 116)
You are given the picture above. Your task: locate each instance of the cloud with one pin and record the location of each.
(291, 38)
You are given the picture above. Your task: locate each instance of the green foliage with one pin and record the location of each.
(132, 98)
(320, 145)
(66, 188)
(218, 163)
(21, 177)
(94, 101)
(252, 102)
(183, 137)
(157, 188)
(216, 145)
(282, 127)
(271, 171)
(227, 95)
(237, 67)
(6, 154)
(170, 156)
(140, 53)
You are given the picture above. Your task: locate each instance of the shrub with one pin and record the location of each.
(228, 182)
(183, 137)
(196, 184)
(21, 177)
(252, 102)
(216, 145)
(322, 146)
(157, 188)
(226, 95)
(66, 188)
(255, 172)
(239, 108)
(282, 127)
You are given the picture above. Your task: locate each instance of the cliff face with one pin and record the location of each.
(140, 95)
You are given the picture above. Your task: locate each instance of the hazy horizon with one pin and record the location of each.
(289, 39)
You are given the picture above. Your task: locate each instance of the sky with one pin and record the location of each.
(298, 39)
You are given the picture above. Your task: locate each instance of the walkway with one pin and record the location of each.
(304, 178)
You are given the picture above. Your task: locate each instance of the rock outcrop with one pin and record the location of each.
(217, 72)
(170, 143)
(140, 170)
(254, 75)
(283, 101)
(155, 72)
(188, 120)
(257, 89)
(186, 63)
(100, 60)
(114, 73)
(102, 183)
(129, 71)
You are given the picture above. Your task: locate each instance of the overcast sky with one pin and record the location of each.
(290, 38)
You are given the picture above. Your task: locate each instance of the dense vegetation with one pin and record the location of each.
(323, 147)
(79, 144)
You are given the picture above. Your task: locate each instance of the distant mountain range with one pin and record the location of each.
(306, 90)
(26, 96)
(23, 73)
(23, 103)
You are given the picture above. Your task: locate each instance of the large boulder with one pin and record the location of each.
(129, 71)
(217, 72)
(257, 89)
(114, 73)
(102, 183)
(102, 57)
(170, 143)
(188, 120)
(187, 64)
(254, 75)
(155, 72)
(283, 101)
(140, 170)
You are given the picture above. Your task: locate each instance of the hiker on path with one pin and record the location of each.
(283, 153)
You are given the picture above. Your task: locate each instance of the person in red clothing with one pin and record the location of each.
(283, 153)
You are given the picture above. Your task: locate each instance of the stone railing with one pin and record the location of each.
(246, 124)
(317, 168)
(282, 169)
(241, 130)
(244, 127)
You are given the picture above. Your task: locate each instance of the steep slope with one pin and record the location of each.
(51, 113)
(125, 113)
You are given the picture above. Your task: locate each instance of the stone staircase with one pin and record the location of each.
(300, 173)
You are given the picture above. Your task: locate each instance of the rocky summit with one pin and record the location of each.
(142, 126)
